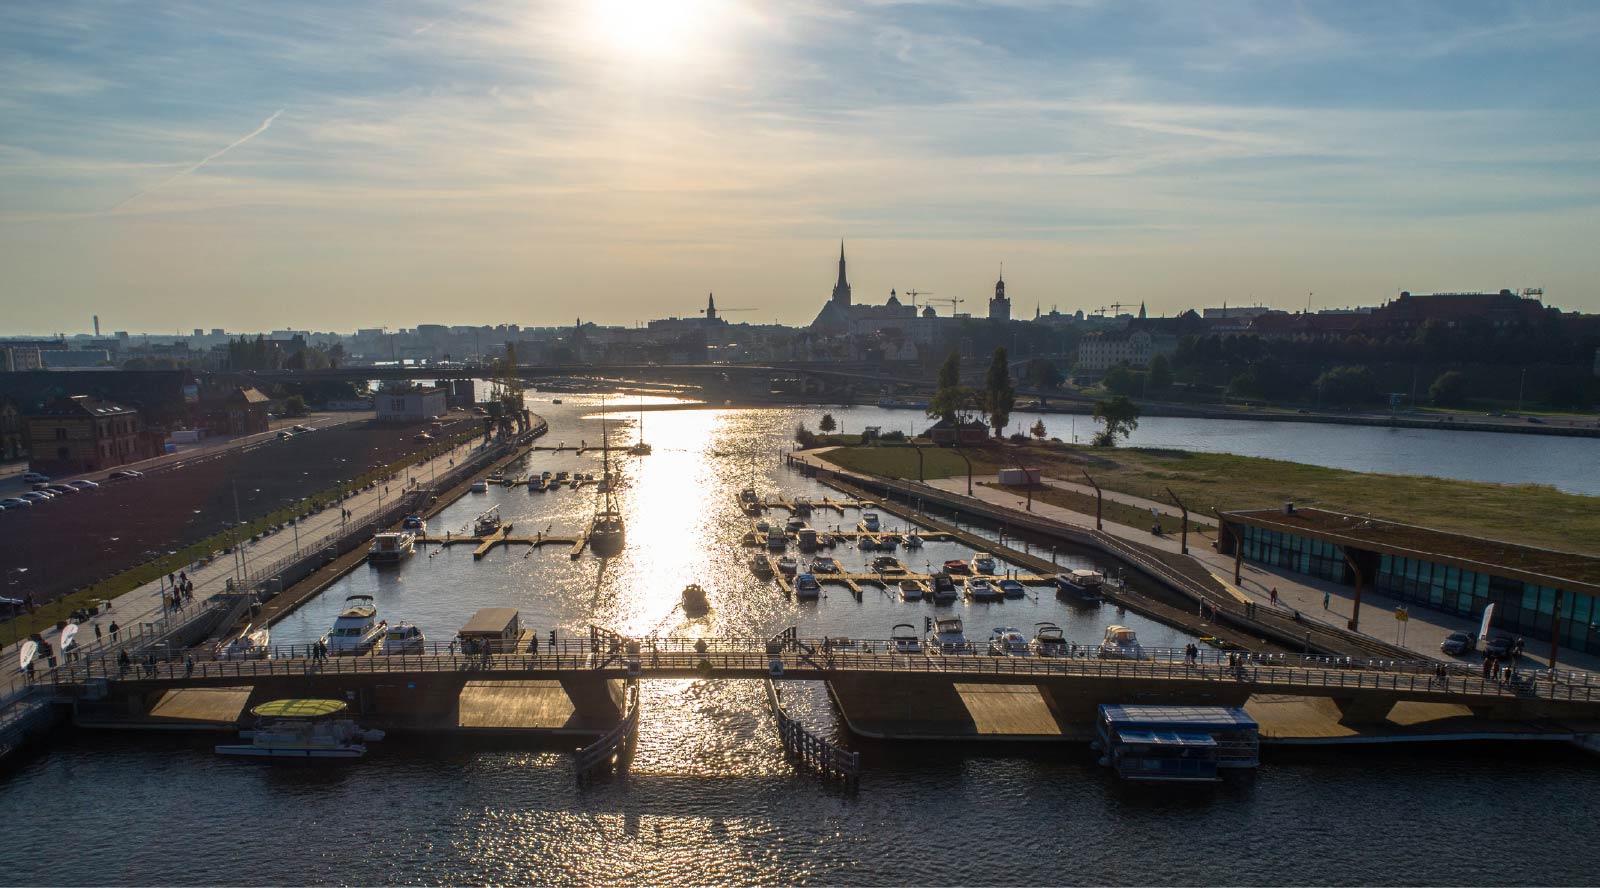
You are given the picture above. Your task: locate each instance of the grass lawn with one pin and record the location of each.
(1120, 513)
(1529, 514)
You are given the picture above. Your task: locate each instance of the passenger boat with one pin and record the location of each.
(982, 562)
(910, 590)
(695, 602)
(1048, 641)
(956, 566)
(760, 565)
(869, 522)
(488, 522)
(912, 540)
(356, 628)
(776, 541)
(824, 564)
(903, 639)
(1084, 585)
(403, 638)
(1012, 589)
(888, 564)
(251, 644)
(943, 589)
(1008, 642)
(391, 547)
(808, 539)
(806, 588)
(1121, 643)
(480, 486)
(980, 589)
(788, 566)
(948, 637)
(902, 404)
(415, 524)
(302, 729)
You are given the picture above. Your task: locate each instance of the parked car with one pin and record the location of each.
(16, 503)
(61, 488)
(1458, 644)
(124, 475)
(284, 434)
(302, 429)
(1498, 646)
(34, 496)
(83, 485)
(35, 478)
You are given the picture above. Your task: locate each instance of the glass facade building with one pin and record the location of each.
(1275, 548)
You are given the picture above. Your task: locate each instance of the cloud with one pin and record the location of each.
(207, 159)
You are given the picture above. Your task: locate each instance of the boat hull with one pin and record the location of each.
(245, 750)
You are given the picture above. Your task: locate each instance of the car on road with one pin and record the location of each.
(35, 478)
(124, 475)
(285, 434)
(1458, 644)
(302, 429)
(16, 503)
(83, 484)
(1498, 646)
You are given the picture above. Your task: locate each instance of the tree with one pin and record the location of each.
(804, 437)
(1120, 416)
(1120, 380)
(1448, 389)
(1043, 373)
(950, 396)
(1348, 385)
(1038, 429)
(294, 405)
(827, 424)
(1160, 373)
(999, 395)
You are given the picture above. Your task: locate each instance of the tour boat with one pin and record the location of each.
(415, 524)
(806, 588)
(1121, 643)
(302, 729)
(903, 639)
(910, 590)
(760, 565)
(982, 562)
(356, 629)
(869, 521)
(1008, 642)
(956, 566)
(824, 564)
(943, 589)
(948, 637)
(788, 566)
(980, 589)
(251, 644)
(487, 523)
(390, 547)
(404, 638)
(1012, 589)
(695, 602)
(912, 540)
(776, 541)
(1048, 641)
(1084, 585)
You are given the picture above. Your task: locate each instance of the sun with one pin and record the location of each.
(651, 29)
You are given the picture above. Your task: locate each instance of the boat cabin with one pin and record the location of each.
(1176, 743)
(492, 630)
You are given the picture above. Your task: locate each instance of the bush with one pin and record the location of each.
(896, 436)
(1019, 438)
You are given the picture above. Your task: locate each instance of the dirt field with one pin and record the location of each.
(83, 538)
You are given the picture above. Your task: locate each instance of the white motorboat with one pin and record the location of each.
(910, 590)
(404, 638)
(480, 486)
(1006, 641)
(1121, 643)
(948, 637)
(903, 639)
(944, 589)
(487, 523)
(981, 589)
(982, 562)
(356, 629)
(869, 522)
(1048, 641)
(251, 644)
(1084, 585)
(806, 588)
(302, 729)
(391, 547)
(749, 500)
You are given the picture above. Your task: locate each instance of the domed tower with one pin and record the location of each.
(1000, 306)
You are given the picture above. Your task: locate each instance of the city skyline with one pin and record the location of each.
(169, 167)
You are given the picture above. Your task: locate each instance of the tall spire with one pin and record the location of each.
(841, 290)
(711, 306)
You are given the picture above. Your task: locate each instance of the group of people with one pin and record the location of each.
(1503, 668)
(180, 591)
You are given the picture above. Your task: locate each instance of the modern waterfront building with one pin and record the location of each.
(1536, 592)
(410, 405)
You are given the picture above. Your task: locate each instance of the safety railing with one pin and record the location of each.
(612, 750)
(821, 756)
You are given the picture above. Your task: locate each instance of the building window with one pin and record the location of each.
(61, 433)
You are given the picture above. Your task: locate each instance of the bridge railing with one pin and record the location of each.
(613, 749)
(813, 752)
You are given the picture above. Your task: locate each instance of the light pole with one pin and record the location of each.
(1520, 384)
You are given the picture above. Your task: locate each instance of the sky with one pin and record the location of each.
(327, 166)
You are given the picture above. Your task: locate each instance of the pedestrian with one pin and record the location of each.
(1273, 596)
(97, 631)
(188, 666)
(1326, 597)
(114, 629)
(124, 663)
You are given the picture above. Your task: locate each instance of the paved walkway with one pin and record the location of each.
(1421, 633)
(144, 604)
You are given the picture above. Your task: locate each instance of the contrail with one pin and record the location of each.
(210, 157)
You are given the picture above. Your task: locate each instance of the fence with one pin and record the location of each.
(812, 752)
(613, 749)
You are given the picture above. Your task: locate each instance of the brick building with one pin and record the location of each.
(85, 434)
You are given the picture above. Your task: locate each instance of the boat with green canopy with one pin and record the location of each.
(302, 728)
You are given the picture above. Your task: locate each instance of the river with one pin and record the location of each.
(709, 796)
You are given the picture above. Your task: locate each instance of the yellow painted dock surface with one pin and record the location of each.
(1008, 710)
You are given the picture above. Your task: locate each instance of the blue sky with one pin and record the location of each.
(174, 165)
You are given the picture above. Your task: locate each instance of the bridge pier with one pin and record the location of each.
(1368, 709)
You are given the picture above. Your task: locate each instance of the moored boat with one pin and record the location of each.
(869, 522)
(776, 541)
(1083, 585)
(487, 522)
(1121, 643)
(391, 547)
(788, 566)
(806, 588)
(1012, 589)
(824, 564)
(903, 639)
(1006, 641)
(982, 562)
(302, 729)
(948, 637)
(910, 590)
(943, 589)
(1048, 641)
(980, 589)
(956, 566)
(760, 565)
(403, 638)
(913, 540)
(254, 643)
(357, 627)
(695, 602)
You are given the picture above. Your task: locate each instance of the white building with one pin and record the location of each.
(1098, 352)
(416, 405)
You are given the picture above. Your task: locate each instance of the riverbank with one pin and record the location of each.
(1528, 514)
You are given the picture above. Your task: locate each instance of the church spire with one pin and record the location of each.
(841, 290)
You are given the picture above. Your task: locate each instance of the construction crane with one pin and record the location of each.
(953, 303)
(914, 293)
(1117, 307)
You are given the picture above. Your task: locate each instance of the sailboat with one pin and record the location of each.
(606, 532)
(643, 447)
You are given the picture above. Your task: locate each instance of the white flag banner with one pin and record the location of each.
(1488, 614)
